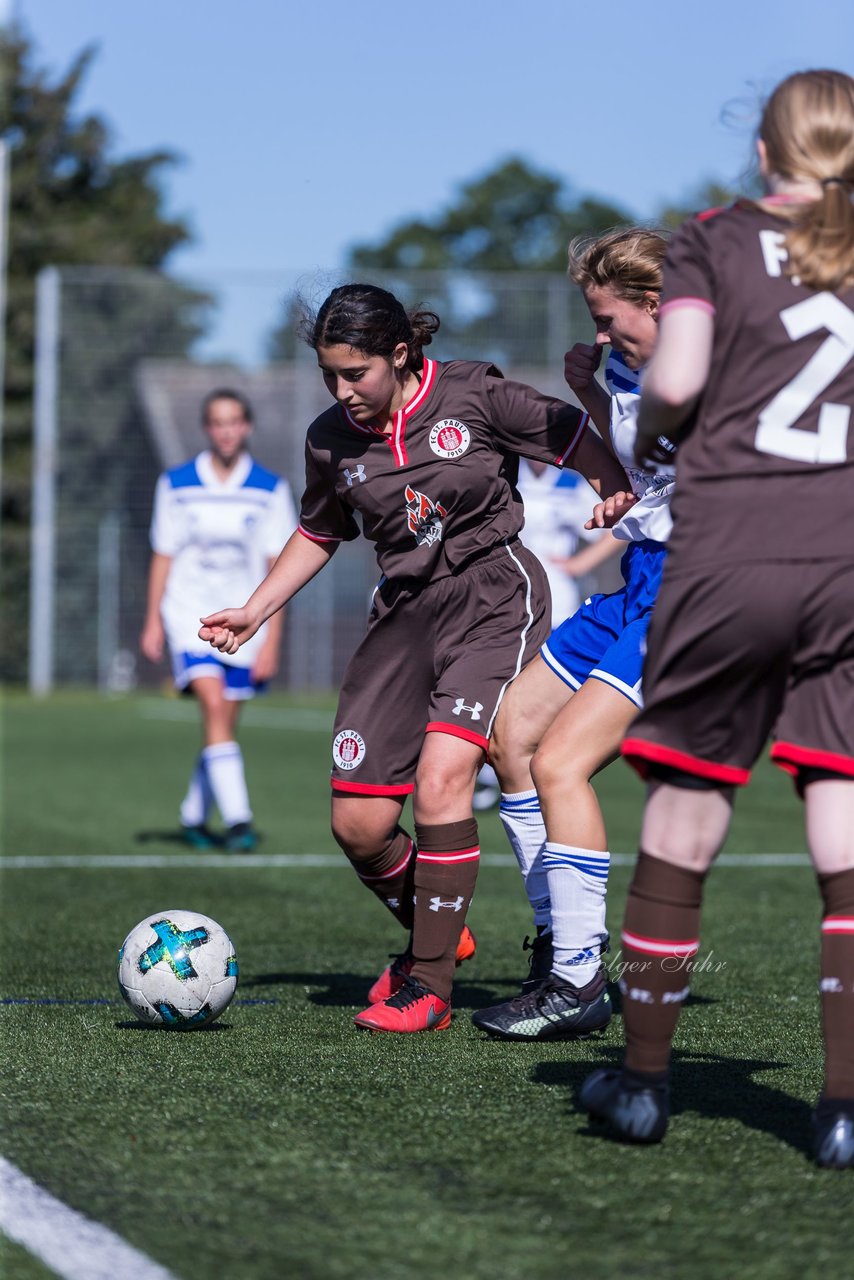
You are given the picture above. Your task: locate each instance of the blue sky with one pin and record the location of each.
(306, 127)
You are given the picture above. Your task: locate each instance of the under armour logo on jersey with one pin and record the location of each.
(358, 474)
(456, 904)
(474, 711)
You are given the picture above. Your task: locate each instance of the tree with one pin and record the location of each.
(514, 218)
(71, 204)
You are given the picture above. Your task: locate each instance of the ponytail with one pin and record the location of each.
(808, 130)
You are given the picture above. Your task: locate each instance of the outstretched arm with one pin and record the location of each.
(298, 563)
(267, 663)
(595, 461)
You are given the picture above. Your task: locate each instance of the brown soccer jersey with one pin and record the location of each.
(753, 629)
(438, 491)
(767, 472)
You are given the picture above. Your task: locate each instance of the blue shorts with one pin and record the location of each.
(238, 681)
(606, 638)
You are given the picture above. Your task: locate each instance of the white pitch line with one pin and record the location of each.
(66, 1241)
(132, 861)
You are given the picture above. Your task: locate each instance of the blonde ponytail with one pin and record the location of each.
(808, 130)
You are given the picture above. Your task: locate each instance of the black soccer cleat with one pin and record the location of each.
(540, 962)
(241, 838)
(198, 837)
(637, 1112)
(554, 1010)
(833, 1133)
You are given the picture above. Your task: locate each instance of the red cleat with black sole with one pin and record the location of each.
(412, 1008)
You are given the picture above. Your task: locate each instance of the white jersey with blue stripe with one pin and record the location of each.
(619, 378)
(650, 517)
(221, 536)
(557, 502)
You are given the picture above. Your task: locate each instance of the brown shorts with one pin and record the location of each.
(437, 657)
(740, 654)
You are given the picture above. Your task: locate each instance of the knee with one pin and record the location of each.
(553, 768)
(509, 745)
(358, 838)
(440, 789)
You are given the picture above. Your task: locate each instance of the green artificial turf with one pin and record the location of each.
(283, 1143)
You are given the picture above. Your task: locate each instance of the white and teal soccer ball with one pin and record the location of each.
(178, 969)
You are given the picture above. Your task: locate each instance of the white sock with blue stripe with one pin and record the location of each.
(196, 804)
(577, 880)
(224, 765)
(526, 831)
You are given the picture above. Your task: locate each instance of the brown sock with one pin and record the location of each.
(391, 876)
(837, 983)
(660, 934)
(445, 875)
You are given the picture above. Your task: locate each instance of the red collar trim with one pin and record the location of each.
(395, 438)
(428, 377)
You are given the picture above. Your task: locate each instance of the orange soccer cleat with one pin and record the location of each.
(394, 975)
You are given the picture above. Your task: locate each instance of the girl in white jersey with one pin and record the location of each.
(565, 716)
(219, 521)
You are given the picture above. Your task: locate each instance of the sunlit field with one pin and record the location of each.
(282, 1142)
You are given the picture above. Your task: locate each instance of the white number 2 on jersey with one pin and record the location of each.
(777, 432)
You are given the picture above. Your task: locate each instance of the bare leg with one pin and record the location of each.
(583, 738)
(686, 827)
(530, 705)
(219, 771)
(830, 835)
(830, 824)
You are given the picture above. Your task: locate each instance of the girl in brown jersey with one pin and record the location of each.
(753, 633)
(418, 449)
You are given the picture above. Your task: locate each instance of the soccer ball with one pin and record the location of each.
(178, 969)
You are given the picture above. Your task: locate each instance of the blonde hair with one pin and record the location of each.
(628, 259)
(808, 130)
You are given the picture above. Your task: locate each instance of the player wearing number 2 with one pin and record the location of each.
(753, 631)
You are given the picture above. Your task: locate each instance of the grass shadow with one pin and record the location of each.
(710, 1086)
(173, 836)
(162, 1028)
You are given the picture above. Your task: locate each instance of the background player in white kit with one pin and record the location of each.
(219, 521)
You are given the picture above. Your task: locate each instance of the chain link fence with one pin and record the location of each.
(124, 359)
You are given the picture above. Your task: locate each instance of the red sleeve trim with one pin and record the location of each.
(468, 735)
(706, 214)
(641, 754)
(368, 789)
(562, 459)
(792, 758)
(316, 537)
(694, 304)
